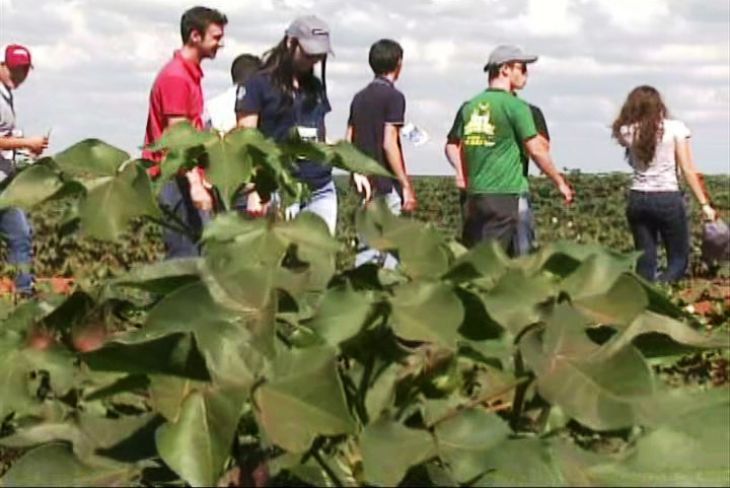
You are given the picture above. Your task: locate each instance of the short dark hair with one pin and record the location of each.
(243, 67)
(198, 19)
(493, 71)
(385, 56)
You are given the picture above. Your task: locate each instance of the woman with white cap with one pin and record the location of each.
(286, 97)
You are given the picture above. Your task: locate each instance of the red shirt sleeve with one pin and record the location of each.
(175, 97)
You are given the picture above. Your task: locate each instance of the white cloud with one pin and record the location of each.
(96, 60)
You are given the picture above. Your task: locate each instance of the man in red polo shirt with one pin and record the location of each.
(177, 96)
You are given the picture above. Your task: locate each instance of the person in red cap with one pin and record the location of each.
(177, 96)
(14, 225)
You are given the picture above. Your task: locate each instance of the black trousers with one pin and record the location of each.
(490, 217)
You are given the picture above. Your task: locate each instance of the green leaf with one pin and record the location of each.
(55, 465)
(109, 207)
(230, 163)
(167, 394)
(690, 449)
(389, 450)
(601, 393)
(465, 440)
(514, 300)
(428, 312)
(486, 261)
(346, 156)
(521, 462)
(223, 336)
(596, 275)
(342, 314)
(680, 332)
(621, 304)
(181, 136)
(161, 278)
(31, 187)
(176, 355)
(381, 395)
(17, 362)
(198, 445)
(304, 400)
(91, 158)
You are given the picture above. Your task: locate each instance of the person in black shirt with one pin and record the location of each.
(524, 238)
(377, 114)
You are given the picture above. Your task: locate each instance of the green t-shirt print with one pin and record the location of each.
(492, 128)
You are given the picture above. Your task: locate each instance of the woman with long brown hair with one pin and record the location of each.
(658, 148)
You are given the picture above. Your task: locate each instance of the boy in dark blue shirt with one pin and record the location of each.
(377, 114)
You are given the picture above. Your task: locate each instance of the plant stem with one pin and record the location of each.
(326, 467)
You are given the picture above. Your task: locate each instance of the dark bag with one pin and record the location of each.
(715, 242)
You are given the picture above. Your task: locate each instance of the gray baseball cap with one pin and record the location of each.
(506, 54)
(312, 33)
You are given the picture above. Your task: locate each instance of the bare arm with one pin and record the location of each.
(394, 155)
(349, 133)
(452, 150)
(33, 144)
(540, 153)
(683, 153)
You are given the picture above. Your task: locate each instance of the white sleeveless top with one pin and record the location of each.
(661, 173)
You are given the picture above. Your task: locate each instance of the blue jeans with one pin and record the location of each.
(175, 195)
(18, 234)
(655, 215)
(366, 254)
(525, 233)
(321, 202)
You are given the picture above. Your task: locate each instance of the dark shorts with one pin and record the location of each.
(490, 217)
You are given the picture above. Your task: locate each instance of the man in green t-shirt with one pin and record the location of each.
(490, 130)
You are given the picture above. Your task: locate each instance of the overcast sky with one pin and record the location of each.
(96, 59)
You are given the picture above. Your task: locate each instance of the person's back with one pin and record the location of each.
(373, 107)
(660, 174)
(494, 125)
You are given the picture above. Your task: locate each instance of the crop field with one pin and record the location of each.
(272, 361)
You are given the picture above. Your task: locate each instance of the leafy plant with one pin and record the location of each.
(460, 367)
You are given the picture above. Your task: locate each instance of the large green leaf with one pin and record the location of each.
(198, 445)
(342, 314)
(346, 156)
(485, 262)
(221, 334)
(691, 448)
(304, 400)
(109, 207)
(389, 450)
(595, 276)
(514, 301)
(175, 354)
(31, 187)
(181, 136)
(465, 440)
(230, 164)
(87, 433)
(91, 158)
(603, 393)
(680, 332)
(521, 462)
(163, 277)
(55, 465)
(17, 362)
(428, 312)
(621, 304)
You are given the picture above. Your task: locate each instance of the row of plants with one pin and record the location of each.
(262, 361)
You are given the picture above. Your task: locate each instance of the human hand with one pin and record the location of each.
(36, 145)
(254, 206)
(199, 194)
(567, 192)
(409, 199)
(362, 185)
(709, 213)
